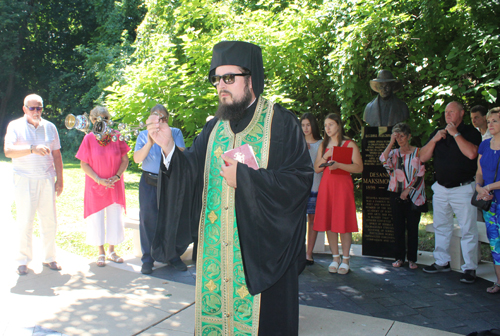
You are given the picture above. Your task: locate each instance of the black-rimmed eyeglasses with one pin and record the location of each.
(32, 108)
(227, 78)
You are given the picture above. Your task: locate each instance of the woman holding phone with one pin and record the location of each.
(338, 157)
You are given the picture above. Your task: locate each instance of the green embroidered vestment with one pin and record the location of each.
(223, 304)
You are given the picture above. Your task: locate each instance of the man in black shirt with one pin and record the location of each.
(455, 152)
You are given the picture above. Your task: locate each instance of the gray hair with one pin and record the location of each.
(160, 108)
(98, 111)
(459, 105)
(32, 97)
(401, 128)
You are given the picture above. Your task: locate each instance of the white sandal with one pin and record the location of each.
(115, 257)
(344, 268)
(101, 260)
(334, 265)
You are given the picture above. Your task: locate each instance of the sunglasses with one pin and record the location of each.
(38, 108)
(227, 78)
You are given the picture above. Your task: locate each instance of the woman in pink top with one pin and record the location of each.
(103, 162)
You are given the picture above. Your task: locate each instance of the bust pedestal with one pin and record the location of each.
(378, 228)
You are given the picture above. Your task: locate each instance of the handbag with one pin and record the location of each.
(422, 208)
(482, 204)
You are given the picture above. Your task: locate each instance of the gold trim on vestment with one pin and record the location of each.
(223, 304)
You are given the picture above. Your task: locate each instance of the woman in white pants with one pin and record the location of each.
(104, 162)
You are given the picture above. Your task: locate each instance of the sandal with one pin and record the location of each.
(52, 265)
(494, 289)
(101, 260)
(344, 268)
(114, 257)
(333, 268)
(412, 265)
(398, 263)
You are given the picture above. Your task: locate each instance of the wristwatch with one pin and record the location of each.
(456, 134)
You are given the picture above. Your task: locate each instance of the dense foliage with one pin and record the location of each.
(60, 50)
(319, 56)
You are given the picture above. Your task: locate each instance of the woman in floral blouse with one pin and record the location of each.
(407, 188)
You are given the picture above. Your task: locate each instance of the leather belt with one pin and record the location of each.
(151, 179)
(460, 184)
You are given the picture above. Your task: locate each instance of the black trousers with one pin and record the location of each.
(405, 219)
(148, 216)
(279, 306)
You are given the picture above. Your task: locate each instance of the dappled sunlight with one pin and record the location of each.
(349, 290)
(98, 302)
(375, 269)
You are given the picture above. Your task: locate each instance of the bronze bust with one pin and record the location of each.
(386, 109)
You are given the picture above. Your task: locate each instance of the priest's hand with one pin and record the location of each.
(229, 172)
(161, 133)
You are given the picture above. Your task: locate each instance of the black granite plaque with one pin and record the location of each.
(378, 229)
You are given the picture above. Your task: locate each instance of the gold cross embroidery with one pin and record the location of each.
(242, 291)
(211, 286)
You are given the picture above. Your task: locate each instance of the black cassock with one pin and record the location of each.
(270, 210)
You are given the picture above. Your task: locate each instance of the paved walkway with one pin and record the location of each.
(117, 300)
(374, 288)
(374, 299)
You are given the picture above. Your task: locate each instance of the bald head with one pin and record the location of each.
(454, 113)
(456, 104)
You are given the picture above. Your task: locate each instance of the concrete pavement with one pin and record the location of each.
(118, 300)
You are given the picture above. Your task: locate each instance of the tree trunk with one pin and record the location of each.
(5, 102)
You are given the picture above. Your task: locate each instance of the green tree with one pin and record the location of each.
(319, 56)
(42, 50)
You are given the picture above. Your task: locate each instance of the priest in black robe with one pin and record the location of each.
(250, 223)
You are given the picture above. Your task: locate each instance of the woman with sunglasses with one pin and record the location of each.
(335, 208)
(407, 193)
(104, 162)
(313, 138)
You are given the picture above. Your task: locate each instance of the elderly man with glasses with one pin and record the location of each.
(33, 145)
(249, 222)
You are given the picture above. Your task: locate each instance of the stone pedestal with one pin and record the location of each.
(320, 246)
(378, 229)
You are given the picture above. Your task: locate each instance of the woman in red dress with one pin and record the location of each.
(335, 207)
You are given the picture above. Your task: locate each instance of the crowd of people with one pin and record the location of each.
(249, 231)
(461, 152)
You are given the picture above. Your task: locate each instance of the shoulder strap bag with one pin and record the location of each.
(481, 204)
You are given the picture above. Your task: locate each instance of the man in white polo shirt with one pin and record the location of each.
(33, 145)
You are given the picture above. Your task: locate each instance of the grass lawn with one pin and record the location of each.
(72, 231)
(71, 225)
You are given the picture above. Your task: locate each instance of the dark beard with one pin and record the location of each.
(235, 111)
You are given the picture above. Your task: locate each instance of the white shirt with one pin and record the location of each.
(486, 135)
(21, 132)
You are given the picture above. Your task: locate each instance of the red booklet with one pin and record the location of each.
(342, 155)
(243, 154)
